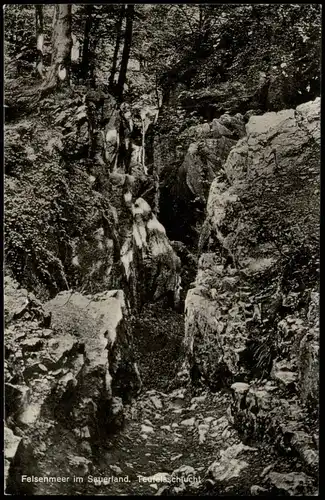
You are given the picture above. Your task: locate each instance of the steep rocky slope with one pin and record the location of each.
(110, 323)
(69, 364)
(77, 233)
(75, 217)
(251, 319)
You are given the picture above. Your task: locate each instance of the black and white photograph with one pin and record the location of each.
(161, 264)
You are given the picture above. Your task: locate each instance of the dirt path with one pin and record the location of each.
(176, 438)
(185, 442)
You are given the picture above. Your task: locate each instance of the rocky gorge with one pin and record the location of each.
(161, 295)
(71, 362)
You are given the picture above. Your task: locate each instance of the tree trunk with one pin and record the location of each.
(86, 50)
(200, 17)
(157, 92)
(125, 148)
(117, 46)
(39, 39)
(59, 72)
(126, 50)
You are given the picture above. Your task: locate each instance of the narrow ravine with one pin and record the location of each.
(172, 443)
(161, 281)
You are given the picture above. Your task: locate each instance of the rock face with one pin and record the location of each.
(128, 248)
(187, 160)
(74, 375)
(131, 251)
(253, 312)
(101, 239)
(100, 323)
(249, 252)
(208, 150)
(147, 254)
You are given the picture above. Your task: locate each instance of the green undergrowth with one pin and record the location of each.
(49, 200)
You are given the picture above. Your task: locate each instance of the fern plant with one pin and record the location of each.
(264, 352)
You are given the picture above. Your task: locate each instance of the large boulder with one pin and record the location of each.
(99, 324)
(252, 315)
(74, 374)
(259, 248)
(87, 351)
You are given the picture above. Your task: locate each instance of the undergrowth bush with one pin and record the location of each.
(48, 200)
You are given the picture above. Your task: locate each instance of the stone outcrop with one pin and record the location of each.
(252, 315)
(129, 249)
(209, 147)
(74, 374)
(187, 160)
(93, 159)
(252, 259)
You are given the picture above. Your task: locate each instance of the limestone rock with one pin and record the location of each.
(269, 181)
(102, 331)
(146, 429)
(156, 402)
(240, 387)
(184, 471)
(116, 469)
(228, 465)
(201, 151)
(257, 490)
(304, 446)
(291, 483)
(203, 429)
(128, 249)
(204, 158)
(74, 374)
(219, 129)
(166, 427)
(261, 413)
(188, 422)
(187, 479)
(270, 188)
(79, 466)
(283, 375)
(11, 443)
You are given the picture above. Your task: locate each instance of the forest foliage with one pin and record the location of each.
(184, 59)
(199, 46)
